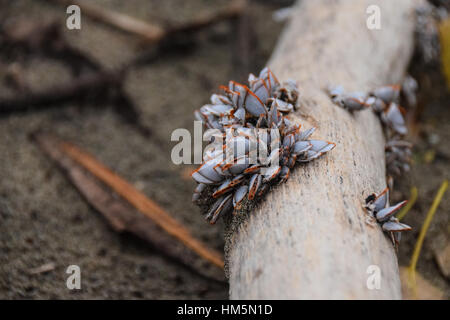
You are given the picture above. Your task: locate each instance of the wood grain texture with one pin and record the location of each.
(309, 238)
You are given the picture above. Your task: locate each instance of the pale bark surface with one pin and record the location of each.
(309, 238)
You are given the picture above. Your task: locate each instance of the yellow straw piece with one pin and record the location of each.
(423, 232)
(409, 205)
(444, 32)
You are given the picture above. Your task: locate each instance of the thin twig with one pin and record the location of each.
(86, 85)
(235, 9)
(152, 33)
(58, 149)
(123, 22)
(244, 46)
(43, 268)
(423, 232)
(46, 37)
(120, 214)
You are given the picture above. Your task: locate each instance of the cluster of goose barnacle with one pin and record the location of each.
(384, 101)
(254, 144)
(378, 207)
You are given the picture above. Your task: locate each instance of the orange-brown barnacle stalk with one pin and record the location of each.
(402, 110)
(269, 78)
(224, 88)
(253, 104)
(255, 182)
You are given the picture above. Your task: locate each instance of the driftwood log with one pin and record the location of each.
(309, 238)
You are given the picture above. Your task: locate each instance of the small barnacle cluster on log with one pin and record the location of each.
(384, 101)
(378, 207)
(253, 144)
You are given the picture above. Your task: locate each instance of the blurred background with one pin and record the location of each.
(120, 95)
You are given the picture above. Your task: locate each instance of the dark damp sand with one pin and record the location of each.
(44, 220)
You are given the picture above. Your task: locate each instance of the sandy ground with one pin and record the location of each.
(43, 219)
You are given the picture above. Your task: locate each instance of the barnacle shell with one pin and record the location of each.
(377, 206)
(260, 147)
(384, 102)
